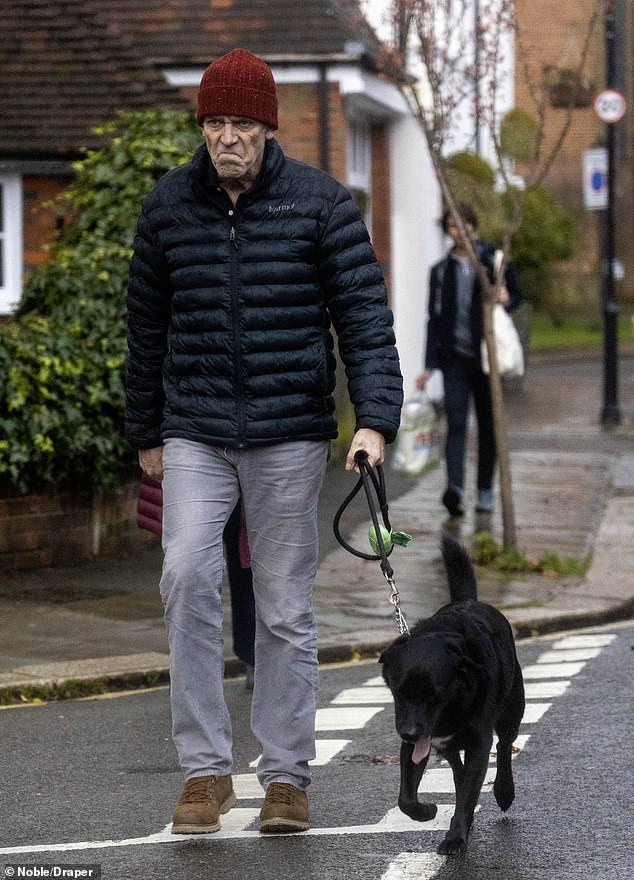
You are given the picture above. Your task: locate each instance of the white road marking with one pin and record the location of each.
(534, 712)
(545, 690)
(596, 641)
(236, 826)
(374, 682)
(552, 670)
(520, 743)
(568, 655)
(414, 866)
(325, 751)
(439, 780)
(355, 696)
(247, 786)
(353, 718)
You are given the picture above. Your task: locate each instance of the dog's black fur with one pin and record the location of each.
(455, 680)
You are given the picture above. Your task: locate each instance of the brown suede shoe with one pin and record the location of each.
(285, 809)
(200, 805)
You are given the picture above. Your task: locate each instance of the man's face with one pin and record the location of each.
(236, 146)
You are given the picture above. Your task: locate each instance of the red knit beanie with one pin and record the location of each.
(238, 84)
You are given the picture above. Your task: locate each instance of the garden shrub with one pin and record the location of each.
(62, 357)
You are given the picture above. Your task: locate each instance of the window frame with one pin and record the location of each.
(11, 238)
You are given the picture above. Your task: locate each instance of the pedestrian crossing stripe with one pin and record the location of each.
(364, 694)
(585, 641)
(552, 670)
(572, 655)
(325, 751)
(545, 690)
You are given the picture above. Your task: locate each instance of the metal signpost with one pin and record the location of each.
(610, 107)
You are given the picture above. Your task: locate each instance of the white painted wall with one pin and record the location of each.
(417, 241)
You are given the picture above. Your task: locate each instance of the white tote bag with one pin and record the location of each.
(507, 343)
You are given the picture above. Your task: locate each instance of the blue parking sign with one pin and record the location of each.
(595, 179)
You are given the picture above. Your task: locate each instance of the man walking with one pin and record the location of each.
(243, 259)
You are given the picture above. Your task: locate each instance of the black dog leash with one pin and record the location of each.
(373, 478)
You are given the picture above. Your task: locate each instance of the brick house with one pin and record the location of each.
(554, 37)
(67, 65)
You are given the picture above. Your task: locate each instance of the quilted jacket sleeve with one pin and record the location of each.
(149, 309)
(357, 303)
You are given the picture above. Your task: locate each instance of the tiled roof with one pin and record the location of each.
(194, 32)
(62, 73)
(68, 65)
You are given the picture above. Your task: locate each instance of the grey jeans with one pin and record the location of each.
(280, 488)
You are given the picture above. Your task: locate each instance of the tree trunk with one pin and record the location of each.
(499, 427)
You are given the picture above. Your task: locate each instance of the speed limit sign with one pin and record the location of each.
(610, 106)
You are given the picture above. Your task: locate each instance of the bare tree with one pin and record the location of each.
(448, 57)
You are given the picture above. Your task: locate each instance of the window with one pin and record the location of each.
(10, 243)
(359, 155)
(359, 158)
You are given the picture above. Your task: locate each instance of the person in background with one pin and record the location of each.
(242, 261)
(454, 336)
(240, 579)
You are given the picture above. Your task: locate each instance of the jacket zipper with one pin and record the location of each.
(235, 317)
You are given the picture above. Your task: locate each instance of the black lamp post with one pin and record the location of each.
(610, 414)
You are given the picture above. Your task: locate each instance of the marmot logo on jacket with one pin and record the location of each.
(279, 208)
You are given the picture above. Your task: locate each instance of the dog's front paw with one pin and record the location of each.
(452, 844)
(504, 791)
(417, 811)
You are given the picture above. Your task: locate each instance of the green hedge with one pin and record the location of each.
(62, 357)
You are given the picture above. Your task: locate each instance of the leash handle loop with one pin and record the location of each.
(369, 478)
(373, 478)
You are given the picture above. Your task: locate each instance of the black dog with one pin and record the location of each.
(455, 680)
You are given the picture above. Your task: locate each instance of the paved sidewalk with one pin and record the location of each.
(574, 495)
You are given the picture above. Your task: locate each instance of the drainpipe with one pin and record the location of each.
(324, 119)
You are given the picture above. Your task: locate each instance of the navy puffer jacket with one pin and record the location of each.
(229, 311)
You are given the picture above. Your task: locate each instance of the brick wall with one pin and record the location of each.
(553, 35)
(39, 220)
(59, 527)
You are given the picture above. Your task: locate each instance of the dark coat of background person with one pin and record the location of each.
(443, 300)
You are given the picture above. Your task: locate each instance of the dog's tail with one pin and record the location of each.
(460, 574)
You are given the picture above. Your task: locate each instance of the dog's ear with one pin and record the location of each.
(465, 666)
(471, 671)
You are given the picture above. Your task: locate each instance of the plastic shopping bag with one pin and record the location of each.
(418, 444)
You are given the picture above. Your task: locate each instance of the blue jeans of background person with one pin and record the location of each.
(279, 486)
(463, 379)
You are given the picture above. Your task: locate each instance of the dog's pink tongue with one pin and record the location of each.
(421, 749)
